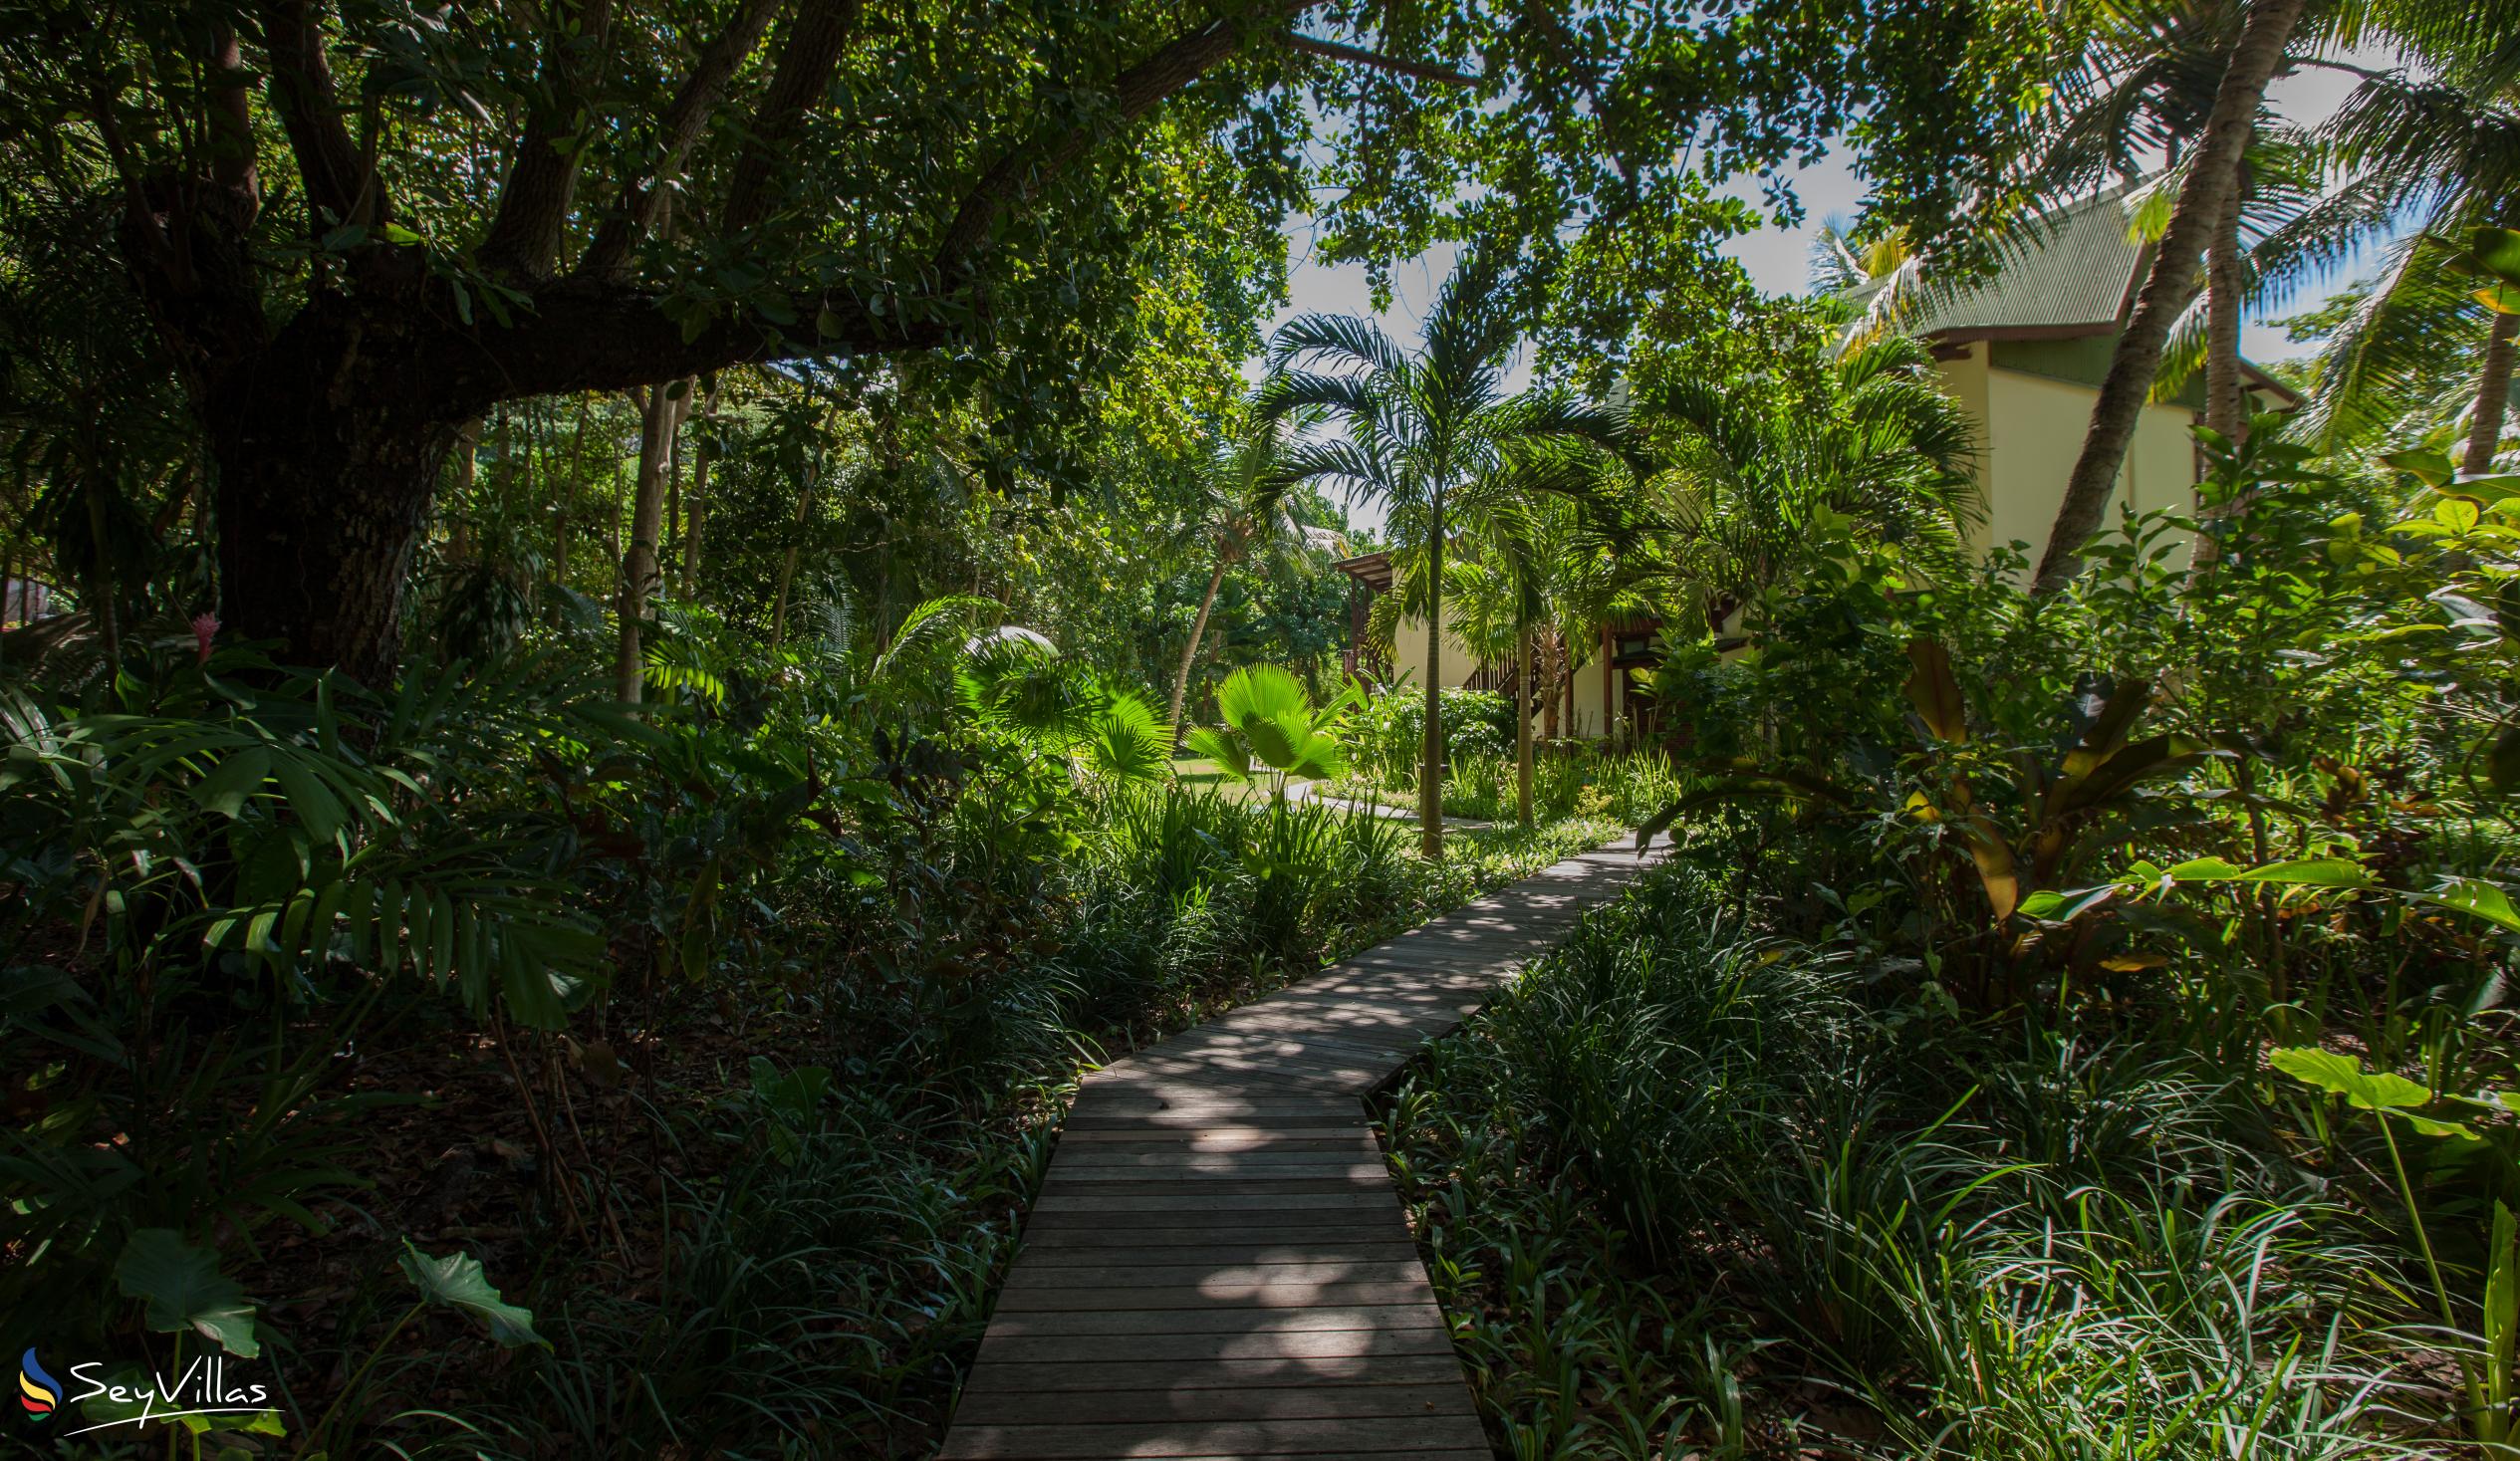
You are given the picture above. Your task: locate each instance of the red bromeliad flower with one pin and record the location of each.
(203, 626)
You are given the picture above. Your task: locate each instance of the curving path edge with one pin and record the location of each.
(1218, 1264)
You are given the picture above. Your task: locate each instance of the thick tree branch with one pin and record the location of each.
(581, 336)
(231, 122)
(524, 236)
(1020, 173)
(302, 93)
(643, 194)
(1358, 55)
(816, 36)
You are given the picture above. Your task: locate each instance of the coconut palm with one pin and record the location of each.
(1417, 429)
(2264, 38)
(2145, 92)
(2208, 194)
(2438, 147)
(1245, 510)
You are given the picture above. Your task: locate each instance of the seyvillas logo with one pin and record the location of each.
(39, 1392)
(131, 1396)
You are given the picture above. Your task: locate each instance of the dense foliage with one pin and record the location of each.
(622, 585)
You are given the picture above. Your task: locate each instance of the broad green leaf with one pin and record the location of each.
(2496, 251)
(1936, 692)
(233, 780)
(457, 1282)
(2483, 899)
(2383, 1091)
(2431, 468)
(2298, 873)
(2311, 872)
(185, 1289)
(315, 804)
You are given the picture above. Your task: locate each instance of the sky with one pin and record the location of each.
(1778, 259)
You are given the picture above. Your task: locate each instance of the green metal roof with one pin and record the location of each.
(2074, 269)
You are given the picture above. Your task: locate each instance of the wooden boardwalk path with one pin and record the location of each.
(1218, 1264)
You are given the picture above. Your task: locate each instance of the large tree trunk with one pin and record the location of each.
(321, 503)
(1549, 682)
(2493, 393)
(1431, 748)
(660, 413)
(2212, 178)
(787, 559)
(2226, 276)
(696, 520)
(1189, 652)
(2226, 397)
(1522, 725)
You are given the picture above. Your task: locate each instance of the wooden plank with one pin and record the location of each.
(1422, 1315)
(1324, 1402)
(1261, 1251)
(1204, 1184)
(1079, 1145)
(1368, 1200)
(1116, 1376)
(1217, 1264)
(1314, 1169)
(1206, 1276)
(1261, 1030)
(1181, 1439)
(1357, 1157)
(1216, 1225)
(1274, 1344)
(1284, 1072)
(1106, 1096)
(1261, 1294)
(1159, 1231)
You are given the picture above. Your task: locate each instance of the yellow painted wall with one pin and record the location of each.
(1409, 665)
(2031, 429)
(1409, 655)
(1588, 716)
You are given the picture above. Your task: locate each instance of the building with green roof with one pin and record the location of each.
(2025, 350)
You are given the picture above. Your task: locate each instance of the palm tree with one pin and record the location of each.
(1420, 428)
(2264, 35)
(1244, 508)
(2440, 149)
(1529, 573)
(2208, 194)
(1758, 464)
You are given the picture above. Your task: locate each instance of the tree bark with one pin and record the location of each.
(319, 505)
(2493, 393)
(696, 522)
(1522, 725)
(467, 465)
(1189, 652)
(2212, 178)
(2226, 276)
(1431, 747)
(659, 414)
(787, 561)
(329, 430)
(2226, 399)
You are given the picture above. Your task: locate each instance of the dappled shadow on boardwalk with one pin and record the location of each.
(1218, 1264)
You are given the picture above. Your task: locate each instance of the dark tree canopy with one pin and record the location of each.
(354, 226)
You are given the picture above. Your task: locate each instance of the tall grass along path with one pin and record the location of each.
(1218, 1264)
